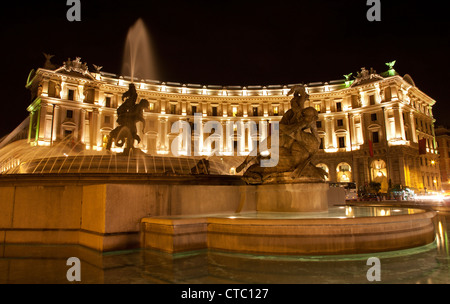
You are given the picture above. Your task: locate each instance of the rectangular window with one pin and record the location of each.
(255, 111)
(214, 111)
(234, 111)
(108, 102)
(372, 100)
(71, 95)
(69, 114)
(373, 117)
(321, 143)
(319, 124)
(151, 106)
(107, 119)
(275, 111)
(67, 133)
(173, 109)
(194, 109)
(338, 106)
(375, 137)
(342, 142)
(340, 122)
(317, 107)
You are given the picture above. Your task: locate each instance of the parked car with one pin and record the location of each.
(351, 196)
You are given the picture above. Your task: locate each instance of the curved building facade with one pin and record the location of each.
(377, 127)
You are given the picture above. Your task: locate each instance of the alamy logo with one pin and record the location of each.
(214, 143)
(374, 13)
(374, 272)
(74, 272)
(74, 13)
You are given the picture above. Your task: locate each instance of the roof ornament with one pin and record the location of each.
(97, 68)
(76, 66)
(48, 65)
(366, 76)
(348, 81)
(391, 71)
(391, 64)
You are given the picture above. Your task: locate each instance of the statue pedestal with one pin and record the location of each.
(295, 197)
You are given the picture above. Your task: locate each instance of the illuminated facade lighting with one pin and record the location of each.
(387, 110)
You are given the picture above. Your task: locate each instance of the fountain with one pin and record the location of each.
(104, 200)
(290, 214)
(138, 60)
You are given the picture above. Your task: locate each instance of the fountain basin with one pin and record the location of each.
(323, 233)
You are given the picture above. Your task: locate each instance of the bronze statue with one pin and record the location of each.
(298, 142)
(129, 113)
(48, 65)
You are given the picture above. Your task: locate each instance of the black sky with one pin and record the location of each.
(230, 42)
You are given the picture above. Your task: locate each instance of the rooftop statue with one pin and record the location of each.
(391, 64)
(129, 113)
(76, 66)
(97, 68)
(366, 76)
(48, 65)
(298, 142)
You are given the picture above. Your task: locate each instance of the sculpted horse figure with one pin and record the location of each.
(126, 132)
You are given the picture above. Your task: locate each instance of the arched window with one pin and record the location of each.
(344, 173)
(378, 173)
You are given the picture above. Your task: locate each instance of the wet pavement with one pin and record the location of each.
(25, 264)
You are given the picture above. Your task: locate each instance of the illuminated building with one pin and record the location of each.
(369, 127)
(443, 143)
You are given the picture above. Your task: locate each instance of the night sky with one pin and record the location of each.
(230, 42)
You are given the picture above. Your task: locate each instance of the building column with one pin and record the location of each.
(45, 83)
(81, 93)
(82, 125)
(244, 109)
(378, 98)
(399, 124)
(225, 147)
(162, 134)
(184, 107)
(359, 130)
(56, 124)
(30, 127)
(413, 127)
(224, 109)
(329, 130)
(351, 129)
(401, 169)
(97, 95)
(355, 169)
(366, 170)
(42, 121)
(204, 108)
(94, 129)
(387, 127)
(348, 139)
